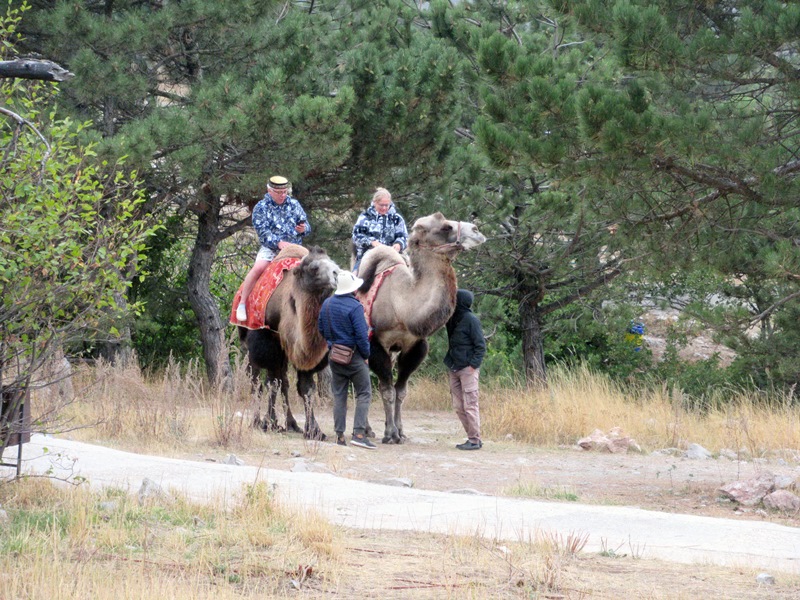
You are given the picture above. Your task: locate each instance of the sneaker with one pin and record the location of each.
(340, 441)
(468, 445)
(362, 441)
(241, 313)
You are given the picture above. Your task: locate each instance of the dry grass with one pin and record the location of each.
(71, 543)
(578, 402)
(178, 408)
(163, 413)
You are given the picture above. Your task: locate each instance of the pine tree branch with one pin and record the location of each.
(790, 167)
(723, 183)
(602, 279)
(691, 207)
(766, 313)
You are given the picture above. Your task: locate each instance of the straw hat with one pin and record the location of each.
(276, 182)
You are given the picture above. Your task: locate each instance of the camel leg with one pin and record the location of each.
(258, 391)
(278, 382)
(264, 352)
(291, 422)
(381, 364)
(305, 389)
(271, 422)
(407, 363)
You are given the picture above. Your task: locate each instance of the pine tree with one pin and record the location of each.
(703, 152)
(210, 98)
(551, 249)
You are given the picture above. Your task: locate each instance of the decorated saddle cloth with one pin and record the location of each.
(368, 299)
(257, 301)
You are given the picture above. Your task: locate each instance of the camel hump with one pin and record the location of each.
(376, 261)
(292, 251)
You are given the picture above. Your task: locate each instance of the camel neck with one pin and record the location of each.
(433, 291)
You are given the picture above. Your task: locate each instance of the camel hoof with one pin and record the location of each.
(317, 436)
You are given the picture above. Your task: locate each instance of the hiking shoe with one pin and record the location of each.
(362, 441)
(468, 445)
(241, 313)
(340, 441)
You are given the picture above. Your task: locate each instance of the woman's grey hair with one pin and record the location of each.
(380, 193)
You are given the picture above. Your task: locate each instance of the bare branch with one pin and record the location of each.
(27, 123)
(766, 313)
(44, 70)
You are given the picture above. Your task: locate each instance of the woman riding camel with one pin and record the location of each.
(380, 224)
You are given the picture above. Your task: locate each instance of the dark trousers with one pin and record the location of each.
(357, 373)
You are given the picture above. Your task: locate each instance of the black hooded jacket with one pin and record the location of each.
(466, 344)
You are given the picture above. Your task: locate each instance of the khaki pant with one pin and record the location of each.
(464, 393)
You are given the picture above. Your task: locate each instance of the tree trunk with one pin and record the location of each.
(533, 345)
(119, 350)
(204, 305)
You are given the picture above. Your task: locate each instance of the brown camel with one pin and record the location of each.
(411, 304)
(293, 337)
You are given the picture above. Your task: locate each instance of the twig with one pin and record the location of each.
(23, 121)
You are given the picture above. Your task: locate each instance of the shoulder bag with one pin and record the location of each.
(339, 353)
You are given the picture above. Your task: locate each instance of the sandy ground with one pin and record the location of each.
(430, 461)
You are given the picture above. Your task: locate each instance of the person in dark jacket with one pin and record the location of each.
(342, 321)
(465, 352)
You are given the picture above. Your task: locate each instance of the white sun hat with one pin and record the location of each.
(347, 283)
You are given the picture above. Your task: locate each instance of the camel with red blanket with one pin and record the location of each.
(282, 329)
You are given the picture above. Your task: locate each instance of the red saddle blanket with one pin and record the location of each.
(368, 299)
(257, 301)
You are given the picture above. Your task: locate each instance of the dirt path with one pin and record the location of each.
(426, 564)
(430, 461)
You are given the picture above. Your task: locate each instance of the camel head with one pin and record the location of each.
(436, 233)
(316, 274)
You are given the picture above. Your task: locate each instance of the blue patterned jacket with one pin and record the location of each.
(388, 229)
(275, 222)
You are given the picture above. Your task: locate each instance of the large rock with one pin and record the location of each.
(782, 500)
(614, 442)
(697, 452)
(751, 491)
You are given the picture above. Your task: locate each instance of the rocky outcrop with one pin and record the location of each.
(764, 488)
(614, 442)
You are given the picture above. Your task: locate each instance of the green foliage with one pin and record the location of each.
(72, 230)
(597, 339)
(587, 138)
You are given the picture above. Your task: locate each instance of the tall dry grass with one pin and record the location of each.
(578, 401)
(164, 412)
(178, 409)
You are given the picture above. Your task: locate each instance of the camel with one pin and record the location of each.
(410, 305)
(293, 337)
